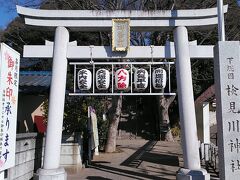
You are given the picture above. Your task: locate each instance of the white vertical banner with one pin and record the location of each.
(9, 78)
(94, 128)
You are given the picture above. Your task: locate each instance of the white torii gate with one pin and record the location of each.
(98, 20)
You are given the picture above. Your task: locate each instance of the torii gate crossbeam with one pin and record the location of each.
(101, 20)
(105, 52)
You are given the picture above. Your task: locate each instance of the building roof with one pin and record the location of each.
(207, 95)
(34, 81)
(28, 62)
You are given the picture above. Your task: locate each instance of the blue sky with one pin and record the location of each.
(8, 10)
(6, 16)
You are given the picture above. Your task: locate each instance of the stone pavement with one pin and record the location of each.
(136, 159)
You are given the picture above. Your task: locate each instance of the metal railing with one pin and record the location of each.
(214, 157)
(93, 66)
(209, 156)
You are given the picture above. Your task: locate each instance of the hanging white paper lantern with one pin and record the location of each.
(141, 79)
(121, 79)
(159, 78)
(102, 79)
(84, 79)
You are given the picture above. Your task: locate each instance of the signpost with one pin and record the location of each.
(9, 77)
(227, 78)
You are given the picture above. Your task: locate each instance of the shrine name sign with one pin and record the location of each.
(120, 34)
(227, 78)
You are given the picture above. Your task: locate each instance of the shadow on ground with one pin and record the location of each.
(142, 155)
(97, 178)
(124, 172)
(160, 159)
(135, 159)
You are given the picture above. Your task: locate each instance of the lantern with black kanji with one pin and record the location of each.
(84, 79)
(102, 79)
(159, 78)
(141, 79)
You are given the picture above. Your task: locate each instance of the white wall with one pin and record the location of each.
(29, 152)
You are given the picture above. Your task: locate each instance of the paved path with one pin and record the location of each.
(137, 159)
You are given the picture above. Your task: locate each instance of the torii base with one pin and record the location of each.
(186, 174)
(51, 174)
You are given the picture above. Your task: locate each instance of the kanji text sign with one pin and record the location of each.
(9, 77)
(120, 34)
(227, 78)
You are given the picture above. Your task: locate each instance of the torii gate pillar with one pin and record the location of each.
(192, 168)
(51, 164)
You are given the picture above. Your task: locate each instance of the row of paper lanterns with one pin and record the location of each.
(84, 79)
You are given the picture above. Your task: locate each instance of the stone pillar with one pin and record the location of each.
(51, 169)
(192, 168)
(227, 87)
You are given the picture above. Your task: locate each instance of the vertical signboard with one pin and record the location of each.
(227, 78)
(94, 137)
(120, 34)
(9, 77)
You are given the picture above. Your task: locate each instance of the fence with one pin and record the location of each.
(209, 156)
